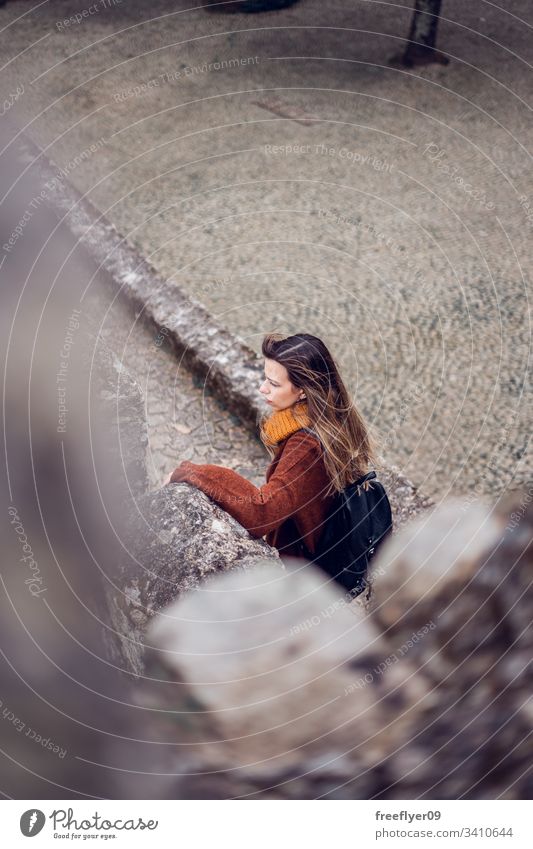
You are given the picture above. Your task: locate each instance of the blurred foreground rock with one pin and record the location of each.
(426, 696)
(66, 701)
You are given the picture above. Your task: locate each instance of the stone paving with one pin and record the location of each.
(283, 174)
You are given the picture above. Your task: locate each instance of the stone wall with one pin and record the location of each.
(303, 696)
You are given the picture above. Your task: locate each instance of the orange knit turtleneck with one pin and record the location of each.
(283, 423)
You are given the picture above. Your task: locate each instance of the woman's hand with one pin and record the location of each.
(167, 479)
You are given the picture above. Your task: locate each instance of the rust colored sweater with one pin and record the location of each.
(291, 505)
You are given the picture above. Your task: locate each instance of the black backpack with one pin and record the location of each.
(357, 525)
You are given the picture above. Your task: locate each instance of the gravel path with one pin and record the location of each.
(286, 176)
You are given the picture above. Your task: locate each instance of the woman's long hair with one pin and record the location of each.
(349, 445)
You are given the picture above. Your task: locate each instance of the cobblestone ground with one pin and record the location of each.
(287, 177)
(185, 422)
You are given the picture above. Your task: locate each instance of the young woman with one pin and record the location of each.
(303, 388)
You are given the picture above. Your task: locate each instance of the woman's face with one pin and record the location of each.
(277, 388)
